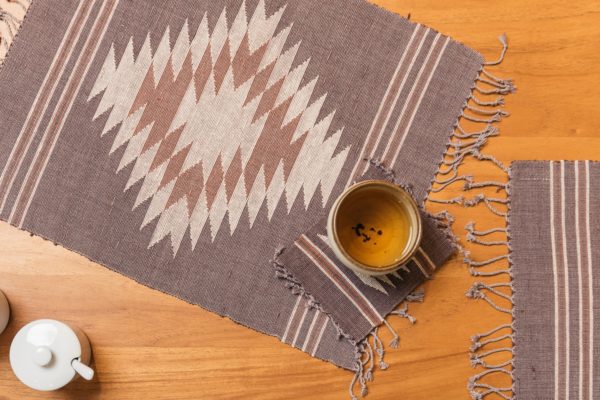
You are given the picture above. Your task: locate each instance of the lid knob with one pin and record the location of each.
(42, 356)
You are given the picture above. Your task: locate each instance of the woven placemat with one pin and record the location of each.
(181, 144)
(554, 227)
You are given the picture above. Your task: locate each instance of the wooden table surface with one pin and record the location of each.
(149, 345)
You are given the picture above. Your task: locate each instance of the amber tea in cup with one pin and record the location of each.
(374, 227)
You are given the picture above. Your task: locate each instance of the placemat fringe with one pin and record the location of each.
(475, 383)
(499, 112)
(477, 291)
(479, 359)
(469, 142)
(499, 101)
(485, 291)
(474, 272)
(504, 41)
(443, 220)
(473, 263)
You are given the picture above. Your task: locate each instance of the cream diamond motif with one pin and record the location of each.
(217, 125)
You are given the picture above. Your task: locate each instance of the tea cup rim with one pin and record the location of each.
(351, 262)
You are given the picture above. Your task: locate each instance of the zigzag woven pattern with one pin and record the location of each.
(235, 126)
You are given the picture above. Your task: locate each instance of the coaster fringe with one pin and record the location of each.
(416, 296)
(396, 339)
(298, 289)
(370, 352)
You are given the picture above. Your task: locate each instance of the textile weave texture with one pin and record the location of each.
(180, 143)
(554, 228)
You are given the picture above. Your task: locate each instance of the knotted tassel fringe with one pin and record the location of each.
(370, 352)
(482, 109)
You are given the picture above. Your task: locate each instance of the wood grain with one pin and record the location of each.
(149, 345)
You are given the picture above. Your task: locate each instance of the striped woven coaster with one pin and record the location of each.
(357, 303)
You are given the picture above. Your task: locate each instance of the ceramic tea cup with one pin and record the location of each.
(374, 227)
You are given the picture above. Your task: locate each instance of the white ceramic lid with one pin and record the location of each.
(41, 354)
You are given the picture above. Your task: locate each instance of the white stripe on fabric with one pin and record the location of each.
(64, 118)
(414, 259)
(418, 105)
(404, 80)
(566, 280)
(590, 280)
(289, 323)
(555, 276)
(66, 58)
(300, 327)
(579, 278)
(344, 277)
(310, 329)
(385, 97)
(426, 256)
(320, 337)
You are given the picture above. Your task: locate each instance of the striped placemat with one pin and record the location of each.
(181, 143)
(554, 228)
